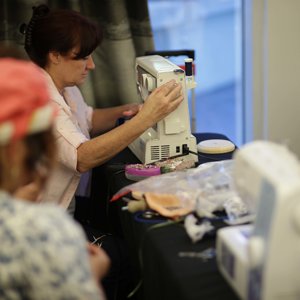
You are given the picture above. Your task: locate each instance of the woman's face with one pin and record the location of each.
(70, 71)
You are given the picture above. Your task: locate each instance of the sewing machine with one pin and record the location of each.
(172, 135)
(261, 261)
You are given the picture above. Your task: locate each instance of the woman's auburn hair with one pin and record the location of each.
(60, 30)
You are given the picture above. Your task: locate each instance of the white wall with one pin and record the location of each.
(284, 72)
(276, 71)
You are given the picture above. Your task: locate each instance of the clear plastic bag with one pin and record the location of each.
(205, 189)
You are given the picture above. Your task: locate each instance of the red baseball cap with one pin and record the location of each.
(25, 107)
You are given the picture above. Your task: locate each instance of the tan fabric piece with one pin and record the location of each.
(167, 205)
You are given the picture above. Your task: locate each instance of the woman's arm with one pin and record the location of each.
(158, 105)
(105, 119)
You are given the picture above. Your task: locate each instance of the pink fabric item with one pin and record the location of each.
(24, 100)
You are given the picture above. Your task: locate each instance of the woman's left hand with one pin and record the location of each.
(99, 260)
(131, 110)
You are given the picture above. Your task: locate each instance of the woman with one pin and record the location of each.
(43, 253)
(62, 42)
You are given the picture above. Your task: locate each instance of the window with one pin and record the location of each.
(213, 28)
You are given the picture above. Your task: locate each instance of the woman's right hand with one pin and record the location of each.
(99, 260)
(161, 102)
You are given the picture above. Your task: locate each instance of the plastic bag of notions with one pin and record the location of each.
(203, 191)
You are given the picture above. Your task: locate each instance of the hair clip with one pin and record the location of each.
(23, 28)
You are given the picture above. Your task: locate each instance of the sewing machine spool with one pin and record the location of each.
(215, 146)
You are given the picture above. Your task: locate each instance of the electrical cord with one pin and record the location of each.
(192, 152)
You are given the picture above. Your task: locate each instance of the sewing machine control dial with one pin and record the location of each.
(149, 82)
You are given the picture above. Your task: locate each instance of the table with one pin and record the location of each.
(165, 274)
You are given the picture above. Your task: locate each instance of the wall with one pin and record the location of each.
(213, 29)
(276, 72)
(284, 72)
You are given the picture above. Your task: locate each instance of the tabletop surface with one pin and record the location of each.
(157, 252)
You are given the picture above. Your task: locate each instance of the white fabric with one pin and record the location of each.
(72, 126)
(43, 254)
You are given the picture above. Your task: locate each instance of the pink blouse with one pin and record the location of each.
(72, 126)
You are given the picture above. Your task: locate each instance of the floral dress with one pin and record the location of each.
(42, 254)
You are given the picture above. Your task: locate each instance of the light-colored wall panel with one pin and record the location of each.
(276, 72)
(283, 70)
